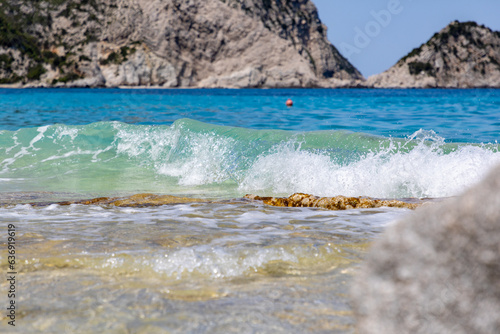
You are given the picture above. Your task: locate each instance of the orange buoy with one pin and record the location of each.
(289, 103)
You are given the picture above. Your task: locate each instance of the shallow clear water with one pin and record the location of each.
(199, 267)
(231, 265)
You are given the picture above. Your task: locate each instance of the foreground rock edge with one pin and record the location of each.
(437, 270)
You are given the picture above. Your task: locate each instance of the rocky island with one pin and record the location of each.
(462, 55)
(168, 43)
(216, 43)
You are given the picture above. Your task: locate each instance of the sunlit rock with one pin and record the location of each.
(331, 203)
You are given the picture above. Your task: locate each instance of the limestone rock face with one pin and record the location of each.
(438, 270)
(462, 55)
(168, 43)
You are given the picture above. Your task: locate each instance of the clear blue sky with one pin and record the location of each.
(375, 34)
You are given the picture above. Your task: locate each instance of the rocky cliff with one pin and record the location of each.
(168, 43)
(462, 55)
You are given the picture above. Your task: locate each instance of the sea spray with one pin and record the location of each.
(420, 166)
(192, 158)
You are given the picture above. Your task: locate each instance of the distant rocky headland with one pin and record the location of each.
(462, 55)
(215, 43)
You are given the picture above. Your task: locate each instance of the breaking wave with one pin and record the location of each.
(191, 157)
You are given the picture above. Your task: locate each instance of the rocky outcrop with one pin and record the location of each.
(168, 43)
(462, 55)
(438, 270)
(138, 200)
(331, 203)
(295, 200)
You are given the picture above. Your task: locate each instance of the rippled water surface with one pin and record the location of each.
(458, 115)
(235, 267)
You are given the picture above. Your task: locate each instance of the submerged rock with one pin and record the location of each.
(295, 200)
(332, 203)
(138, 200)
(438, 270)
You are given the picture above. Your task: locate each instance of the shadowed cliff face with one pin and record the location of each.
(298, 22)
(168, 43)
(462, 55)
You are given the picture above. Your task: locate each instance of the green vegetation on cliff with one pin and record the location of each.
(417, 67)
(26, 28)
(57, 42)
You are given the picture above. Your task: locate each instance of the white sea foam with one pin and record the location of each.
(77, 152)
(424, 171)
(207, 161)
(129, 240)
(150, 142)
(64, 130)
(279, 163)
(416, 167)
(218, 262)
(11, 179)
(41, 130)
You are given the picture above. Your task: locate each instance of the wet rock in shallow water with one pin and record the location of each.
(136, 200)
(295, 200)
(438, 270)
(331, 203)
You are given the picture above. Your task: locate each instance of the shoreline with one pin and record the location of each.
(17, 87)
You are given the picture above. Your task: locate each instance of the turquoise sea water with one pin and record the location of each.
(231, 265)
(225, 143)
(456, 115)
